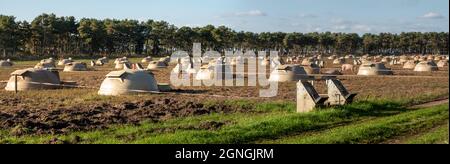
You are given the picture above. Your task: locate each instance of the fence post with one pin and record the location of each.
(15, 83)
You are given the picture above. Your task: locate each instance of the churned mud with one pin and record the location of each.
(98, 116)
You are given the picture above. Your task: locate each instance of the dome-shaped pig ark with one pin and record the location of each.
(128, 82)
(75, 66)
(426, 66)
(65, 61)
(372, 69)
(287, 73)
(33, 79)
(6, 63)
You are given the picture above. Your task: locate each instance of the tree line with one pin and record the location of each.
(49, 35)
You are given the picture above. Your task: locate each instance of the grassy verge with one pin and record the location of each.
(437, 136)
(377, 130)
(268, 121)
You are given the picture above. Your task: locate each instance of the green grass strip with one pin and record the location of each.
(377, 130)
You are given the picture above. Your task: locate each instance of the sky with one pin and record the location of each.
(358, 16)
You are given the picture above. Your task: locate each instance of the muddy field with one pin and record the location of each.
(59, 111)
(75, 118)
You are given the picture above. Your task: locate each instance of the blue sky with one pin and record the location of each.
(360, 16)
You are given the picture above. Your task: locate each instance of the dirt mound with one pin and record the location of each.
(98, 116)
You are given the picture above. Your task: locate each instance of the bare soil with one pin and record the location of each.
(98, 116)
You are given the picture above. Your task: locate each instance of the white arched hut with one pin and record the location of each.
(312, 68)
(6, 63)
(75, 66)
(49, 60)
(426, 66)
(32, 79)
(218, 71)
(332, 57)
(286, 73)
(65, 61)
(265, 61)
(333, 72)
(339, 61)
(165, 60)
(185, 65)
(371, 69)
(442, 63)
(410, 64)
(206, 72)
(386, 59)
(154, 65)
(127, 82)
(307, 61)
(101, 61)
(46, 63)
(403, 59)
(120, 62)
(147, 59)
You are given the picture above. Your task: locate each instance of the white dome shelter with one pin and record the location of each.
(6, 63)
(307, 61)
(206, 72)
(166, 60)
(371, 69)
(147, 59)
(127, 82)
(65, 61)
(75, 66)
(33, 79)
(403, 59)
(410, 64)
(333, 72)
(312, 69)
(265, 62)
(287, 73)
(276, 61)
(120, 64)
(289, 59)
(339, 61)
(442, 63)
(421, 59)
(101, 61)
(154, 65)
(437, 58)
(332, 57)
(121, 60)
(425, 66)
(386, 59)
(218, 70)
(395, 61)
(185, 66)
(49, 60)
(206, 59)
(44, 65)
(349, 57)
(236, 60)
(223, 71)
